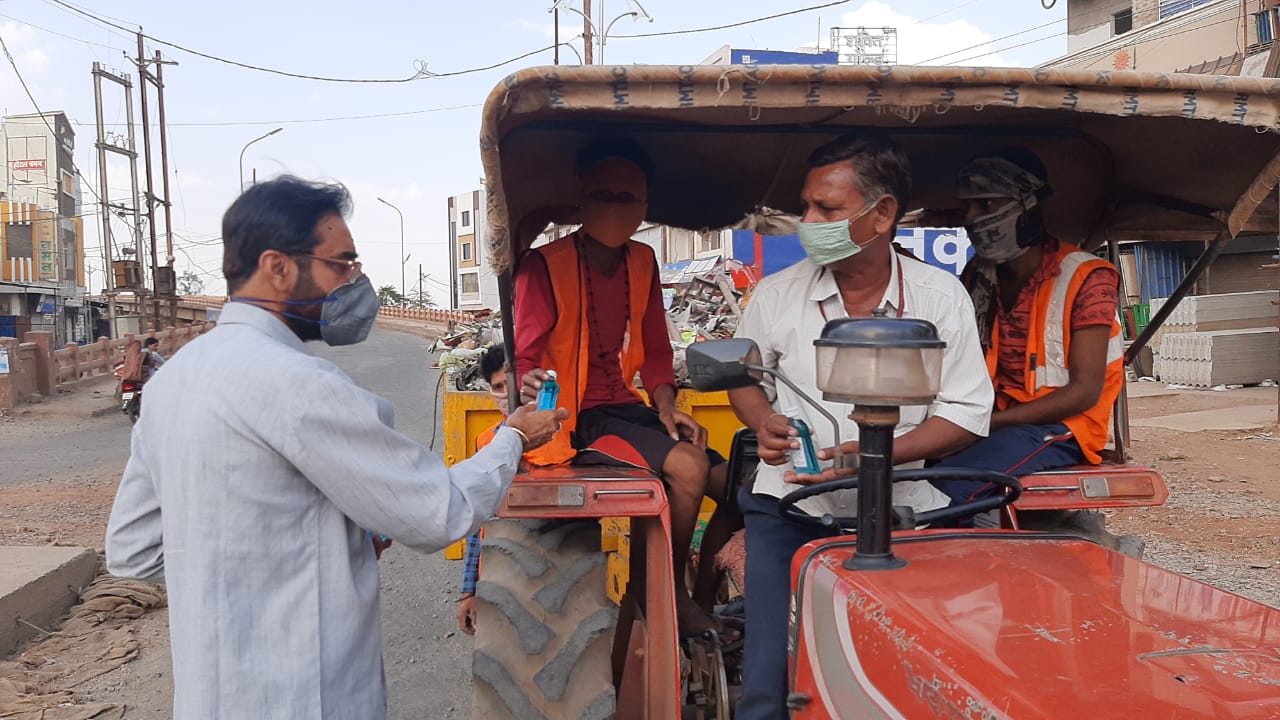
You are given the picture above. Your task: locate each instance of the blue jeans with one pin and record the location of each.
(771, 543)
(1004, 449)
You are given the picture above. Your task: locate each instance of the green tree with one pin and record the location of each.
(388, 296)
(420, 298)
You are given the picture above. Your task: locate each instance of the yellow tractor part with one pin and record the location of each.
(468, 414)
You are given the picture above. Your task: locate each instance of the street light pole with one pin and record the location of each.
(246, 147)
(589, 26)
(403, 259)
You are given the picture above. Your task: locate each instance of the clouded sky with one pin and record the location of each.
(422, 145)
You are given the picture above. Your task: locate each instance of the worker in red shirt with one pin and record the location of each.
(589, 306)
(1047, 319)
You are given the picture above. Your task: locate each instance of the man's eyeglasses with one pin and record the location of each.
(349, 268)
(616, 198)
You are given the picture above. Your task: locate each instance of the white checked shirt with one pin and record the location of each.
(785, 316)
(256, 469)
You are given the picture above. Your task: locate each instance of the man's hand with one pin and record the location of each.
(530, 384)
(680, 425)
(775, 439)
(467, 614)
(537, 425)
(849, 451)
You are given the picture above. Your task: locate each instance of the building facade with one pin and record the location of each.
(1157, 35)
(42, 258)
(474, 284)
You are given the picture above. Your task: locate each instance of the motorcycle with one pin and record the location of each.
(131, 399)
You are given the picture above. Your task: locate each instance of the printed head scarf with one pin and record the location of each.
(1004, 234)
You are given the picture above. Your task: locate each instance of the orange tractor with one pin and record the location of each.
(888, 621)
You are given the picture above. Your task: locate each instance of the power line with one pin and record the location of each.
(1003, 49)
(986, 43)
(421, 72)
(300, 121)
(736, 24)
(55, 32)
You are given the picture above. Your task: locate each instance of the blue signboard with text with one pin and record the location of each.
(946, 248)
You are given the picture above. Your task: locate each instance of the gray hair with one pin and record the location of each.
(880, 166)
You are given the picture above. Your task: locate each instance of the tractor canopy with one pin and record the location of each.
(1130, 156)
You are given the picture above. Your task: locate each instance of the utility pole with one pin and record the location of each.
(164, 284)
(168, 206)
(555, 15)
(127, 150)
(586, 32)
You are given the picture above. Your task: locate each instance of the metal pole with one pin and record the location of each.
(246, 147)
(875, 488)
(403, 259)
(587, 38)
(143, 74)
(168, 206)
(555, 14)
(108, 281)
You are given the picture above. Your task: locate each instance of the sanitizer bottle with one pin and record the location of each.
(804, 458)
(549, 393)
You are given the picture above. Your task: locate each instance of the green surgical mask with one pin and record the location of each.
(829, 242)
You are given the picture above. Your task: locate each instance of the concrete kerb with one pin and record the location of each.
(38, 586)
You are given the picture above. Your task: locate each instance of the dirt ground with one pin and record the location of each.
(1221, 524)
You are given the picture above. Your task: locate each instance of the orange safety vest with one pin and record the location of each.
(569, 344)
(1049, 348)
(486, 437)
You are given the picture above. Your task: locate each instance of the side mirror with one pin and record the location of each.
(722, 364)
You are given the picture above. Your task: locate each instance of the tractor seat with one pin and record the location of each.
(1092, 486)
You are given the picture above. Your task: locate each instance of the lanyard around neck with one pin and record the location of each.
(902, 294)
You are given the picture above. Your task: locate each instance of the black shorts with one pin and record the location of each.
(627, 434)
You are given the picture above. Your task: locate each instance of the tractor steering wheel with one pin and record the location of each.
(1012, 490)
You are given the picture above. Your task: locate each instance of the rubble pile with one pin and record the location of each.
(708, 307)
(461, 349)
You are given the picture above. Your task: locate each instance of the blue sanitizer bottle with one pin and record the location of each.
(804, 458)
(549, 393)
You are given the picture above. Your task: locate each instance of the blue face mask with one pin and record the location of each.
(829, 242)
(348, 313)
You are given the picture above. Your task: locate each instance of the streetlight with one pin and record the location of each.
(246, 147)
(604, 37)
(403, 259)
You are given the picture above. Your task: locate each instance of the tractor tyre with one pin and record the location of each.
(544, 626)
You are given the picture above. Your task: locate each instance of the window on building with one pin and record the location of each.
(1169, 8)
(470, 283)
(466, 218)
(1122, 22)
(708, 242)
(68, 184)
(466, 251)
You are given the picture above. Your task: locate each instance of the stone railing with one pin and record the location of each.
(442, 317)
(35, 368)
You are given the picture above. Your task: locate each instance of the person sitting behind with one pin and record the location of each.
(151, 358)
(494, 370)
(1047, 319)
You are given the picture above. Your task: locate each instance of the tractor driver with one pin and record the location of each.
(853, 197)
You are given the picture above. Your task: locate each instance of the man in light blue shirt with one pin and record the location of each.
(256, 469)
